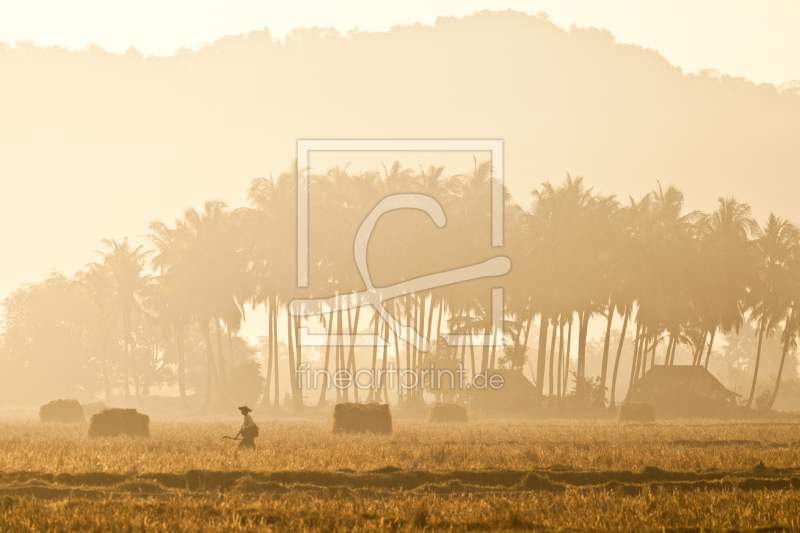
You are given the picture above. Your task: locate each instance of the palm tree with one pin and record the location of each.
(270, 230)
(202, 259)
(777, 247)
(677, 279)
(170, 302)
(728, 266)
(126, 286)
(96, 281)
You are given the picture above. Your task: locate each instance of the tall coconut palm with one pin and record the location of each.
(124, 267)
(271, 232)
(96, 281)
(776, 249)
(202, 259)
(728, 266)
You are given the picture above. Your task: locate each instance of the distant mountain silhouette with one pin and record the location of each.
(94, 144)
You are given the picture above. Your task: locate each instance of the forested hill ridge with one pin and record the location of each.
(121, 138)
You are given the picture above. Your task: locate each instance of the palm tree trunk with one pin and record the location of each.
(181, 367)
(673, 340)
(606, 346)
(209, 365)
(106, 381)
(578, 369)
(430, 321)
(383, 392)
(612, 399)
(788, 332)
(758, 360)
(420, 326)
(649, 343)
(710, 344)
(265, 400)
(567, 355)
(463, 347)
(342, 394)
(637, 343)
(397, 359)
(669, 349)
(409, 393)
(298, 322)
(276, 405)
(674, 349)
(439, 322)
(560, 358)
(642, 357)
(296, 399)
(552, 355)
(527, 332)
(541, 358)
(230, 348)
(222, 368)
(136, 383)
(584, 330)
(412, 351)
(420, 330)
(371, 395)
(324, 387)
(472, 357)
(653, 352)
(492, 359)
(126, 347)
(485, 351)
(698, 352)
(352, 358)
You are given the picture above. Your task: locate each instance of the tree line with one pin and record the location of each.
(673, 279)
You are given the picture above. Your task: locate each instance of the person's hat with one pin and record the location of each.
(245, 409)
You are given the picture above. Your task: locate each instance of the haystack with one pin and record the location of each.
(113, 422)
(448, 412)
(62, 411)
(636, 412)
(362, 418)
(93, 408)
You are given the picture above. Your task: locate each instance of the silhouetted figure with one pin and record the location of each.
(249, 430)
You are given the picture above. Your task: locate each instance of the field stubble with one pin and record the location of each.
(513, 474)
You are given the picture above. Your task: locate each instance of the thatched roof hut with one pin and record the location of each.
(517, 394)
(683, 391)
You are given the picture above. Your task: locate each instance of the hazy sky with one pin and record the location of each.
(758, 40)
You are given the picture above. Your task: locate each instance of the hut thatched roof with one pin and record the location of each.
(682, 390)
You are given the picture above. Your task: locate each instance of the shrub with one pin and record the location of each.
(588, 394)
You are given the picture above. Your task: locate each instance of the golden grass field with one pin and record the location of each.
(486, 475)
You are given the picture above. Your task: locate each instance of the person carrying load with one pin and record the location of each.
(249, 429)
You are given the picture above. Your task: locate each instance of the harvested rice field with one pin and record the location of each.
(516, 475)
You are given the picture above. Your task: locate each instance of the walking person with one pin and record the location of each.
(249, 429)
